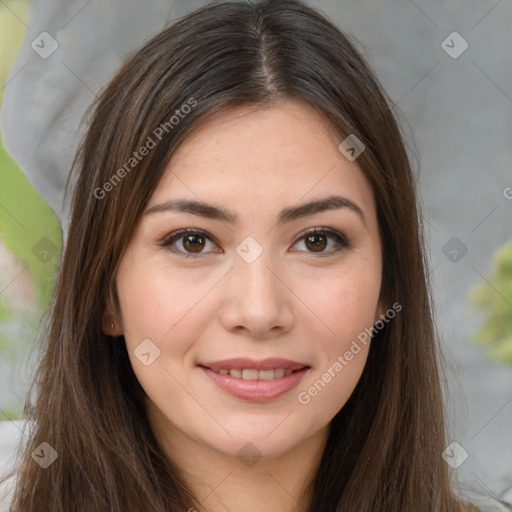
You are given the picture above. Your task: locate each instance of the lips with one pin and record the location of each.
(253, 374)
(241, 363)
(255, 380)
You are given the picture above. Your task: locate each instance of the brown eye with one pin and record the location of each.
(317, 243)
(318, 240)
(193, 243)
(188, 242)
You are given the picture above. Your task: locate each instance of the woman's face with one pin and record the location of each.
(251, 283)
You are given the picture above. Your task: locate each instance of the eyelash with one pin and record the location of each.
(339, 238)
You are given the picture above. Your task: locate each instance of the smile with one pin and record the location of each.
(253, 374)
(256, 381)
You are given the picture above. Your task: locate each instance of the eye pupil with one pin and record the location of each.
(317, 246)
(195, 246)
(194, 243)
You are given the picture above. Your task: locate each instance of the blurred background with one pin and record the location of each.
(446, 66)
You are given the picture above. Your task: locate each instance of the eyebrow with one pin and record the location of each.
(286, 215)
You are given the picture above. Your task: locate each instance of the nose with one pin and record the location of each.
(258, 301)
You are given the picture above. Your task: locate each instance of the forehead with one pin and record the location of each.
(248, 157)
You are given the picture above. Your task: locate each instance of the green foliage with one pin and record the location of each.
(25, 218)
(495, 299)
(9, 414)
(29, 229)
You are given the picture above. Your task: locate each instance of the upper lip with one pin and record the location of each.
(241, 363)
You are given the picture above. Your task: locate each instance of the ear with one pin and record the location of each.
(111, 325)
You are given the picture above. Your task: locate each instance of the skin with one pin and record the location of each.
(291, 302)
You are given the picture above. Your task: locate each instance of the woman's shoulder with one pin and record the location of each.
(7, 492)
(11, 433)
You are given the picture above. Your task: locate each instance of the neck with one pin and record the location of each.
(224, 483)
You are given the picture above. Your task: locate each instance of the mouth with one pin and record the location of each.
(254, 369)
(254, 374)
(258, 381)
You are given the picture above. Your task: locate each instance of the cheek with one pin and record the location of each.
(168, 308)
(154, 302)
(345, 301)
(159, 328)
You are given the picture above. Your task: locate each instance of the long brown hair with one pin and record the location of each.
(384, 447)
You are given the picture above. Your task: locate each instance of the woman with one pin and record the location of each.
(242, 316)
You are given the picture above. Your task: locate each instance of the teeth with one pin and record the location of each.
(265, 374)
(253, 374)
(249, 374)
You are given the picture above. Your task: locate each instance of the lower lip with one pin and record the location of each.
(256, 390)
